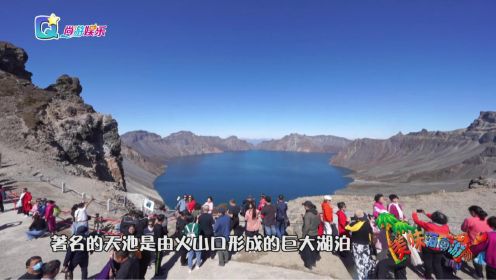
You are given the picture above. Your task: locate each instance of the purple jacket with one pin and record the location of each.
(489, 246)
(393, 209)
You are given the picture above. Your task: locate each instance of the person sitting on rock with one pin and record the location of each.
(37, 228)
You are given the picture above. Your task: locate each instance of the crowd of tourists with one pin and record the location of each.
(369, 254)
(370, 249)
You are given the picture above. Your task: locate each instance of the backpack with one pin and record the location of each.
(56, 211)
(189, 230)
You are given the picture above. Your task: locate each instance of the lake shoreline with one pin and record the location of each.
(355, 186)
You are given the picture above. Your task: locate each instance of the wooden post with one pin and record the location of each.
(125, 201)
(108, 205)
(63, 187)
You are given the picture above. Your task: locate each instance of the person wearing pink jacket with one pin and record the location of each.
(474, 225)
(395, 207)
(488, 246)
(49, 217)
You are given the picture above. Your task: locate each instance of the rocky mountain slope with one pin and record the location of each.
(55, 122)
(303, 143)
(184, 143)
(425, 156)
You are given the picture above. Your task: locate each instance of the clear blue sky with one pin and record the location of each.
(263, 68)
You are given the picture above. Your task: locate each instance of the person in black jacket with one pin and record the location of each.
(37, 228)
(361, 240)
(181, 222)
(158, 232)
(206, 229)
(77, 258)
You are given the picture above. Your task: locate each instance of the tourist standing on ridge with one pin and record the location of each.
(233, 211)
(33, 268)
(35, 207)
(244, 205)
(252, 220)
(181, 222)
(210, 204)
(50, 217)
(149, 231)
(395, 207)
(311, 221)
(282, 220)
(488, 246)
(433, 257)
(361, 240)
(380, 234)
(269, 217)
(24, 203)
(196, 211)
(143, 256)
(42, 207)
(327, 214)
(191, 204)
(191, 230)
(181, 203)
(262, 202)
(343, 221)
(379, 207)
(206, 230)
(81, 215)
(222, 228)
(158, 232)
(77, 258)
(475, 225)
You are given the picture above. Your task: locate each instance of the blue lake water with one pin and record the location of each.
(239, 174)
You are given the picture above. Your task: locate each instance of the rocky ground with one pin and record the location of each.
(244, 265)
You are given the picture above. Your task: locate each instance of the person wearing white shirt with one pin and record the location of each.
(81, 215)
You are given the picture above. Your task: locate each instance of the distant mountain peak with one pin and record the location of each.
(181, 143)
(296, 142)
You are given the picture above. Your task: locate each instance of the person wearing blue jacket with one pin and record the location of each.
(222, 228)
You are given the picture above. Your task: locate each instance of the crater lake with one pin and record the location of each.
(239, 174)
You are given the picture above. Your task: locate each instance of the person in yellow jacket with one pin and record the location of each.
(361, 239)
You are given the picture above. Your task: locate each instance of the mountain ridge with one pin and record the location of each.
(56, 122)
(295, 142)
(425, 156)
(181, 143)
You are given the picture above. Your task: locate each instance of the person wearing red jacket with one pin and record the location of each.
(433, 257)
(26, 202)
(191, 204)
(327, 214)
(342, 219)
